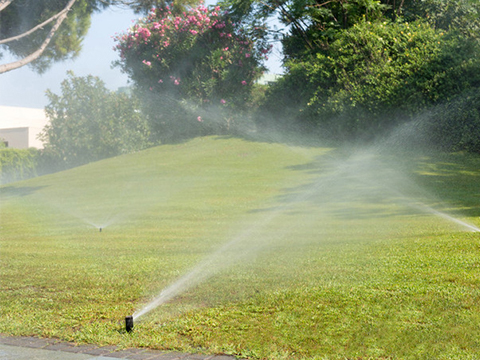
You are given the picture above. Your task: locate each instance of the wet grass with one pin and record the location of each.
(329, 256)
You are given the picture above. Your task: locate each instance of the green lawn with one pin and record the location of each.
(292, 252)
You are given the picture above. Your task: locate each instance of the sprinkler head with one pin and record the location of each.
(129, 323)
(100, 229)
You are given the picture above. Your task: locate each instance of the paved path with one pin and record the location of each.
(32, 348)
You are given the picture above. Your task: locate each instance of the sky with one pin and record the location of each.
(25, 88)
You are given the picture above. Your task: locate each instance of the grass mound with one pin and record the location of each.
(287, 252)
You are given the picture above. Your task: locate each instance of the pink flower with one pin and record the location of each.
(148, 63)
(222, 101)
(160, 81)
(244, 82)
(144, 33)
(247, 55)
(199, 119)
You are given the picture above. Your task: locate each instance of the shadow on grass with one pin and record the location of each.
(366, 183)
(454, 178)
(11, 191)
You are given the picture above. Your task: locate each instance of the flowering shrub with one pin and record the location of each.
(199, 55)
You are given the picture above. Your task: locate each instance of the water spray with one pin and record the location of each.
(129, 323)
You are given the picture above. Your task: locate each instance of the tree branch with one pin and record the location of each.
(35, 55)
(4, 4)
(39, 26)
(320, 5)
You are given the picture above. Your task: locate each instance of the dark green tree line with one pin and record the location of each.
(355, 68)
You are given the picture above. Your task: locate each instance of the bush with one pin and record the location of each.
(194, 70)
(17, 164)
(88, 122)
(375, 75)
(456, 125)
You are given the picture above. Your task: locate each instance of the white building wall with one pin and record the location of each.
(33, 141)
(16, 138)
(20, 126)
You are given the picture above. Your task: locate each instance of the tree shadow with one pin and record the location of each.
(11, 191)
(454, 178)
(365, 183)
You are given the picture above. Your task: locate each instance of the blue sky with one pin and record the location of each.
(25, 88)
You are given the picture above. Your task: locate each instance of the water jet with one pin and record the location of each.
(129, 323)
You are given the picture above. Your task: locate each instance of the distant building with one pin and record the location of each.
(19, 127)
(268, 79)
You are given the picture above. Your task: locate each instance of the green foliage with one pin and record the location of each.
(88, 122)
(17, 164)
(376, 74)
(194, 70)
(144, 6)
(455, 126)
(460, 15)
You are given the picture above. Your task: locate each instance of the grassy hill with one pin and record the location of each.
(265, 250)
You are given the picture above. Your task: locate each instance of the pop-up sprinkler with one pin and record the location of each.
(100, 229)
(129, 323)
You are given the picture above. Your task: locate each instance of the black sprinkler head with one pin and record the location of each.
(129, 323)
(100, 229)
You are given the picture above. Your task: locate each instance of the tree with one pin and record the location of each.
(365, 77)
(88, 122)
(194, 69)
(42, 31)
(39, 32)
(310, 25)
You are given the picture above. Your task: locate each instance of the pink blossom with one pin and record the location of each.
(144, 33)
(194, 32)
(148, 63)
(247, 55)
(160, 81)
(222, 101)
(200, 119)
(244, 82)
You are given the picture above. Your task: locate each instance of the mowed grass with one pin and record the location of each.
(324, 254)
